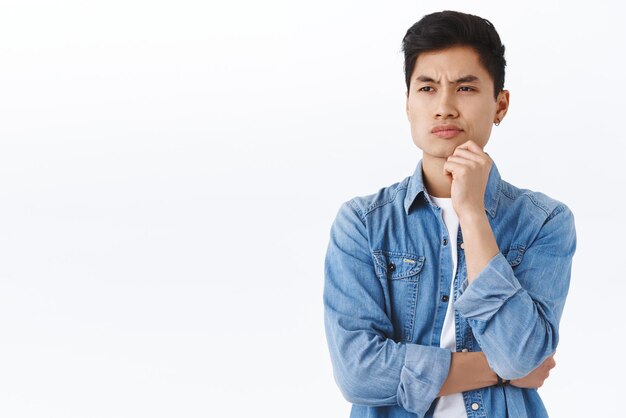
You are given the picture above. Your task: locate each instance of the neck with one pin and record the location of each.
(437, 184)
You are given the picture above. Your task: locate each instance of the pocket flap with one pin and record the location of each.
(514, 254)
(397, 265)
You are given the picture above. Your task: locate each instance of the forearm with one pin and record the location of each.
(515, 303)
(369, 367)
(478, 241)
(468, 371)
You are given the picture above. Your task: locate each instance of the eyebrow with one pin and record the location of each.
(464, 79)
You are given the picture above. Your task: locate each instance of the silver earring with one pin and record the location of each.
(497, 122)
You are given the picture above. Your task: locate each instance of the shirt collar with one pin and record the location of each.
(492, 191)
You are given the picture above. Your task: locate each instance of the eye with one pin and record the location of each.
(426, 89)
(466, 88)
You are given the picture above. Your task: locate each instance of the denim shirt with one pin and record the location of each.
(388, 272)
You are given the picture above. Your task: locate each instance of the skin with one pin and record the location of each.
(451, 87)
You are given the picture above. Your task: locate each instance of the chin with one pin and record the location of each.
(440, 150)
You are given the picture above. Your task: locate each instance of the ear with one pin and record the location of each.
(407, 105)
(502, 104)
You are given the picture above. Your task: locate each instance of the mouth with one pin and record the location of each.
(446, 131)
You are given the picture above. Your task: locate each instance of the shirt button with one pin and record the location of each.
(465, 350)
(462, 245)
(391, 267)
(475, 406)
(445, 241)
(445, 298)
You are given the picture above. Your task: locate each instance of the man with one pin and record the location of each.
(443, 292)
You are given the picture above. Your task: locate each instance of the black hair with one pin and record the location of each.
(446, 29)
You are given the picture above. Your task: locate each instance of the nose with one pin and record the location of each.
(446, 106)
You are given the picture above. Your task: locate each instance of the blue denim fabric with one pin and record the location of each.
(389, 264)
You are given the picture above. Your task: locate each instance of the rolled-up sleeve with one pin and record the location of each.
(515, 314)
(369, 367)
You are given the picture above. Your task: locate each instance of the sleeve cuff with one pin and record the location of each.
(493, 286)
(424, 372)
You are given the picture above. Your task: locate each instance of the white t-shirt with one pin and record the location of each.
(450, 406)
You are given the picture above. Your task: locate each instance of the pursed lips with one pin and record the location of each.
(446, 131)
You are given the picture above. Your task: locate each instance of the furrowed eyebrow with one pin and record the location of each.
(425, 79)
(465, 79)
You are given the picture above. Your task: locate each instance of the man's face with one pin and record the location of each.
(451, 101)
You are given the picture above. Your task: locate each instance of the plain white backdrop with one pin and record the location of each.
(169, 171)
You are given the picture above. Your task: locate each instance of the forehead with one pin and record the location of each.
(451, 62)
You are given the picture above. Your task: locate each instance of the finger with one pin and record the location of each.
(454, 165)
(463, 162)
(472, 146)
(467, 154)
(549, 364)
(459, 160)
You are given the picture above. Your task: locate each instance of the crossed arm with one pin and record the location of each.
(374, 370)
(471, 371)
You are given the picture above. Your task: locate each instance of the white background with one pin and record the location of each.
(169, 171)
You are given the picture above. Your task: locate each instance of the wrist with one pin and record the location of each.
(490, 376)
(496, 379)
(471, 215)
(502, 382)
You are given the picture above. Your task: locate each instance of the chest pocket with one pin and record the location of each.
(514, 254)
(399, 274)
